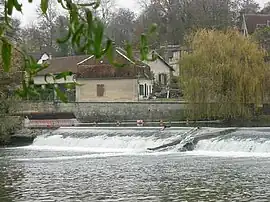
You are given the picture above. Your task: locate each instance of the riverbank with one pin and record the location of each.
(24, 137)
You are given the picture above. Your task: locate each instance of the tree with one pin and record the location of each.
(121, 26)
(266, 9)
(177, 18)
(33, 39)
(262, 36)
(249, 6)
(106, 11)
(170, 17)
(224, 75)
(47, 28)
(209, 14)
(61, 26)
(8, 83)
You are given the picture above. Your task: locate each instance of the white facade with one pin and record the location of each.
(161, 71)
(175, 61)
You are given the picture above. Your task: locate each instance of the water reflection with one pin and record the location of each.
(10, 178)
(133, 178)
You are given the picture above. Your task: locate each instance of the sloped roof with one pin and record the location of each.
(252, 20)
(163, 60)
(63, 64)
(101, 68)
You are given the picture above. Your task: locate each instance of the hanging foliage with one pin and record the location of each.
(86, 32)
(224, 76)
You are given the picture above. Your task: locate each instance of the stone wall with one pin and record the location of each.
(112, 111)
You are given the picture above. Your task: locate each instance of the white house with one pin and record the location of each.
(162, 70)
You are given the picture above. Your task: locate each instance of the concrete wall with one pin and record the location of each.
(112, 111)
(115, 90)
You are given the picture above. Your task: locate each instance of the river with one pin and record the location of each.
(114, 165)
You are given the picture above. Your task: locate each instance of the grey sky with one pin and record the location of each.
(29, 15)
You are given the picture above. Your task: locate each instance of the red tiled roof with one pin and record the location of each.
(108, 71)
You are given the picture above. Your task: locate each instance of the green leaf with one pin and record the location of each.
(70, 85)
(75, 36)
(89, 18)
(143, 47)
(2, 29)
(9, 7)
(44, 6)
(87, 4)
(129, 51)
(97, 4)
(98, 38)
(108, 46)
(48, 75)
(6, 55)
(32, 92)
(61, 95)
(153, 28)
(64, 39)
(63, 75)
(17, 5)
(62, 4)
(41, 67)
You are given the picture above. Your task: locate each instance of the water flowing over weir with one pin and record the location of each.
(141, 139)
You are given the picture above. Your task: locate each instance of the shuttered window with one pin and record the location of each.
(100, 90)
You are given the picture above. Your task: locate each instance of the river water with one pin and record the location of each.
(114, 165)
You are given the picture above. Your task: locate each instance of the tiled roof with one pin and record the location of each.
(63, 64)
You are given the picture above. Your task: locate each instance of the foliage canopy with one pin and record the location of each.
(224, 75)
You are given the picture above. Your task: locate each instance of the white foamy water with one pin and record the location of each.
(99, 144)
(105, 143)
(231, 147)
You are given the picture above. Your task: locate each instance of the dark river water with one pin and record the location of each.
(115, 167)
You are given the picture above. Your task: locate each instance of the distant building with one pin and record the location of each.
(251, 22)
(99, 81)
(103, 82)
(161, 69)
(173, 54)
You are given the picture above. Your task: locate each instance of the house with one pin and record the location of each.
(56, 66)
(250, 22)
(99, 81)
(173, 54)
(161, 69)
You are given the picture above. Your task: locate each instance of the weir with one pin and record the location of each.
(147, 140)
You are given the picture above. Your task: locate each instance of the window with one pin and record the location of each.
(165, 79)
(100, 90)
(141, 89)
(145, 90)
(162, 79)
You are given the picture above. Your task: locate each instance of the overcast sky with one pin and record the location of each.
(30, 16)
